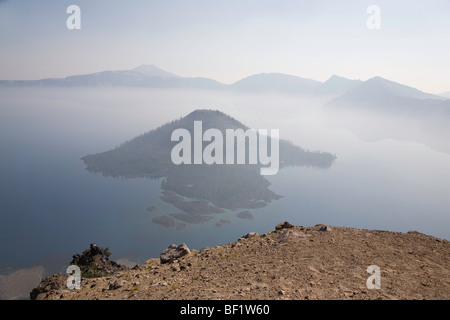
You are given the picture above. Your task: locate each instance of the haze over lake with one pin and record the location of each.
(52, 207)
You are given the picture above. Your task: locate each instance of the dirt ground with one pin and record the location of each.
(291, 263)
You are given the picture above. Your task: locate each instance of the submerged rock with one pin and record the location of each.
(245, 215)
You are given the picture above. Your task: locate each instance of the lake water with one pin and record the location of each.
(52, 208)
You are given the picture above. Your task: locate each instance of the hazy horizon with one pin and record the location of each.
(230, 41)
(442, 94)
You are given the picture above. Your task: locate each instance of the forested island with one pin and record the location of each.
(198, 190)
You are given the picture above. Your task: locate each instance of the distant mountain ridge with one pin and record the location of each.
(142, 76)
(152, 71)
(383, 86)
(337, 85)
(273, 82)
(379, 94)
(150, 76)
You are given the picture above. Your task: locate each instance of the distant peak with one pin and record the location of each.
(379, 79)
(153, 71)
(338, 85)
(335, 77)
(385, 86)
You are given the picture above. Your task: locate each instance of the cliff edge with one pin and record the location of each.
(291, 262)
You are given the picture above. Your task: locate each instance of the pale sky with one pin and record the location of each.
(228, 40)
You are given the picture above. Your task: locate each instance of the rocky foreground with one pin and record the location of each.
(292, 262)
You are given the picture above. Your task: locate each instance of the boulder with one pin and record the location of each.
(54, 283)
(174, 252)
(284, 225)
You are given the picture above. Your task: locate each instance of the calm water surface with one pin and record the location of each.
(51, 207)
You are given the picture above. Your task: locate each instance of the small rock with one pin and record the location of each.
(325, 228)
(115, 285)
(251, 235)
(176, 267)
(284, 225)
(281, 292)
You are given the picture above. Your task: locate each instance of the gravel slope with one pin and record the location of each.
(291, 263)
